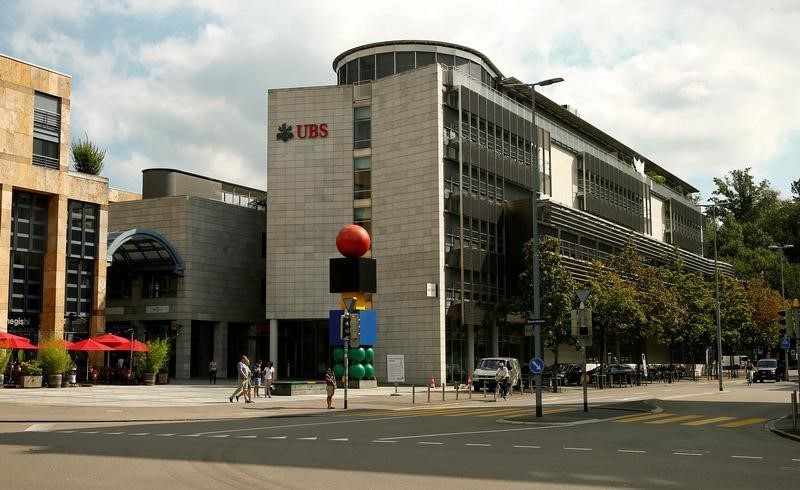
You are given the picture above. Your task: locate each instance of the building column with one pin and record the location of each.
(273, 344)
(55, 269)
(495, 339)
(5, 259)
(183, 350)
(221, 348)
(470, 349)
(97, 323)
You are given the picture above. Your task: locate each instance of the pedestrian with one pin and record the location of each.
(256, 377)
(212, 371)
(243, 373)
(330, 386)
(267, 375)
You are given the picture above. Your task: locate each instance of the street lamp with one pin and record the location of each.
(782, 249)
(716, 287)
(537, 329)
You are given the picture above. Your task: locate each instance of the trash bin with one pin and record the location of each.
(73, 376)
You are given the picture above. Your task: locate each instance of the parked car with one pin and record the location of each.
(486, 369)
(769, 370)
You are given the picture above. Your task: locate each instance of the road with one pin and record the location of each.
(696, 439)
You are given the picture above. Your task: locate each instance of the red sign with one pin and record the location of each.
(310, 131)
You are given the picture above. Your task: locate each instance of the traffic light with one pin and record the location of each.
(782, 318)
(344, 327)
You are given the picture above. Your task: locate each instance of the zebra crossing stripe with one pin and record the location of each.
(674, 419)
(742, 423)
(639, 418)
(708, 421)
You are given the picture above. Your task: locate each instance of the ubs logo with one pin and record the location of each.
(285, 132)
(304, 131)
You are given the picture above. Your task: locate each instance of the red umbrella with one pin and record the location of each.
(89, 345)
(140, 346)
(114, 341)
(11, 341)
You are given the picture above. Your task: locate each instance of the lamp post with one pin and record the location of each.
(716, 287)
(537, 329)
(783, 298)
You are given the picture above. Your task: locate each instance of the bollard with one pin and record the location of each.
(429, 393)
(443, 385)
(456, 391)
(413, 394)
(794, 410)
(484, 388)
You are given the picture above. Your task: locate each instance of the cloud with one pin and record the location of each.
(701, 88)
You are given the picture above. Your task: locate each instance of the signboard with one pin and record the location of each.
(432, 290)
(535, 321)
(536, 365)
(396, 368)
(156, 309)
(785, 343)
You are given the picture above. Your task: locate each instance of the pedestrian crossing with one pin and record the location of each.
(481, 412)
(693, 420)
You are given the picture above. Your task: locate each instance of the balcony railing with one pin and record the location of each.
(44, 161)
(47, 121)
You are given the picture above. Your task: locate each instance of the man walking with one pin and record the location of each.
(243, 371)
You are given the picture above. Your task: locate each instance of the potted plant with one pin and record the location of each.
(155, 359)
(5, 356)
(54, 359)
(31, 374)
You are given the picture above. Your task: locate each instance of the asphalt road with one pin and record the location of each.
(685, 442)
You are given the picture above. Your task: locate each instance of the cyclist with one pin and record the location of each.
(749, 368)
(502, 377)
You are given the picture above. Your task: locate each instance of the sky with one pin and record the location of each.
(700, 88)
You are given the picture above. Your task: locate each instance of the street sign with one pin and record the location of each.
(536, 365)
(535, 321)
(785, 343)
(528, 330)
(396, 368)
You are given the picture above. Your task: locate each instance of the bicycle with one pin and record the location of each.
(500, 387)
(749, 377)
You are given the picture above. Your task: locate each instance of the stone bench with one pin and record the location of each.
(289, 388)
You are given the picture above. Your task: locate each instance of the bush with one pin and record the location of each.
(54, 357)
(87, 156)
(31, 368)
(5, 356)
(157, 355)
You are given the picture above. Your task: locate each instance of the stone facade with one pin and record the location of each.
(19, 83)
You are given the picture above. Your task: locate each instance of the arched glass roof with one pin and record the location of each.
(144, 250)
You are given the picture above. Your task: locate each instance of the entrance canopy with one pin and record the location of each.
(142, 249)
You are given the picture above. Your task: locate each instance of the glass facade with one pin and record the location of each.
(81, 256)
(28, 247)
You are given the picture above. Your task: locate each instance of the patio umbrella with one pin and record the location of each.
(113, 341)
(11, 341)
(89, 345)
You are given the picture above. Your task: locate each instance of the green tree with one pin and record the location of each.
(87, 157)
(764, 304)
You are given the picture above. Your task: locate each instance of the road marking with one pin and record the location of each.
(277, 437)
(189, 435)
(290, 426)
(635, 451)
(341, 439)
(431, 443)
(675, 419)
(742, 423)
(163, 435)
(687, 454)
(528, 447)
(246, 437)
(306, 438)
(139, 434)
(219, 436)
(639, 418)
(67, 431)
(748, 457)
(577, 449)
(478, 445)
(388, 442)
(39, 428)
(794, 459)
(708, 421)
(95, 432)
(472, 432)
(113, 433)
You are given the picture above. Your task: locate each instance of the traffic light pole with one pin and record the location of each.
(346, 369)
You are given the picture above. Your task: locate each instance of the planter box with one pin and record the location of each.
(149, 379)
(32, 381)
(54, 381)
(162, 378)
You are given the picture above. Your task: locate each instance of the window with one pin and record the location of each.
(80, 281)
(363, 218)
(362, 127)
(366, 68)
(119, 286)
(159, 285)
(352, 72)
(405, 61)
(425, 58)
(46, 130)
(384, 65)
(82, 230)
(28, 244)
(362, 178)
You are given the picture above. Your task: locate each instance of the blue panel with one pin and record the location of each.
(369, 327)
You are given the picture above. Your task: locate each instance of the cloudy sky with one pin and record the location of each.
(699, 87)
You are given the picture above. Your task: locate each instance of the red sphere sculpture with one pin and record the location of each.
(353, 241)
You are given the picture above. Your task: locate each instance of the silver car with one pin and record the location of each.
(486, 369)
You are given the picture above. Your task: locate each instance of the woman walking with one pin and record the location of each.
(330, 386)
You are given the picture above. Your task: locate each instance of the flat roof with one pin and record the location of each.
(34, 65)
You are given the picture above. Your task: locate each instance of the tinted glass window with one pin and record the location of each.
(385, 65)
(405, 61)
(366, 68)
(352, 72)
(424, 58)
(446, 59)
(47, 103)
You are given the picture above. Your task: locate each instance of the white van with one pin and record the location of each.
(486, 369)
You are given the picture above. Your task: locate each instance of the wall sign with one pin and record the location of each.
(304, 131)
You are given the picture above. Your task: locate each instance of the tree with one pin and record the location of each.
(88, 157)
(764, 303)
(557, 290)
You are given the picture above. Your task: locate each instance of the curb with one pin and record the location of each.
(656, 409)
(771, 427)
